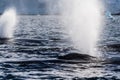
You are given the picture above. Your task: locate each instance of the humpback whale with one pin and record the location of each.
(76, 56)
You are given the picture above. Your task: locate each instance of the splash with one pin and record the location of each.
(83, 20)
(8, 21)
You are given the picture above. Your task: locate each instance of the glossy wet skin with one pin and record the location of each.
(76, 56)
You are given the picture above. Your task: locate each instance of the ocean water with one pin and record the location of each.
(39, 40)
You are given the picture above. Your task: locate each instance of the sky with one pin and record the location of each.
(47, 6)
(31, 6)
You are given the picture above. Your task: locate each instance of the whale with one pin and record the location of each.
(5, 40)
(76, 56)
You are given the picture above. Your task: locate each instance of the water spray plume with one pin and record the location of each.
(83, 21)
(8, 21)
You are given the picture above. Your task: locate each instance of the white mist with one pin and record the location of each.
(83, 20)
(8, 21)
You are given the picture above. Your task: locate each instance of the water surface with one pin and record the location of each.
(39, 40)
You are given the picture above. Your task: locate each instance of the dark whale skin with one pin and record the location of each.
(76, 56)
(5, 40)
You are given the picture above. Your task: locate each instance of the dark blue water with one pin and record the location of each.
(39, 40)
